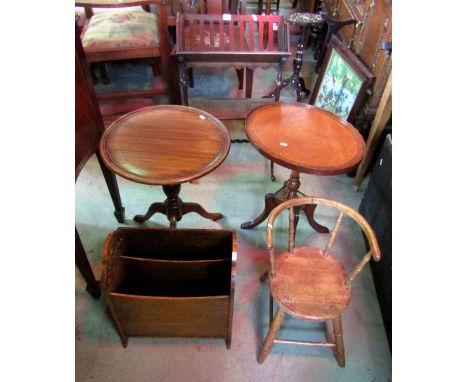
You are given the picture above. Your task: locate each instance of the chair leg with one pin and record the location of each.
(183, 82)
(338, 334)
(102, 68)
(274, 327)
(248, 82)
(92, 70)
(190, 77)
(240, 78)
(156, 68)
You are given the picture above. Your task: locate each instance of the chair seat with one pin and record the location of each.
(310, 285)
(121, 30)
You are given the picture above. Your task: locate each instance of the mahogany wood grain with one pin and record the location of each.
(304, 138)
(165, 145)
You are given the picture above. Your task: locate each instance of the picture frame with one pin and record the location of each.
(344, 82)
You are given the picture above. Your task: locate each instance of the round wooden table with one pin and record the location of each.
(305, 139)
(166, 145)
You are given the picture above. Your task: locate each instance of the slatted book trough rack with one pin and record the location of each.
(234, 40)
(170, 283)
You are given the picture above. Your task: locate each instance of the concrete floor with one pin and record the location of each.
(235, 189)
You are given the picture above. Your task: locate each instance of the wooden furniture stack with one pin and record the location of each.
(373, 29)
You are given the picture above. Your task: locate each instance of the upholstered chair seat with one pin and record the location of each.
(121, 30)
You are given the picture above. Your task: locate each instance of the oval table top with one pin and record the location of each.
(165, 144)
(304, 138)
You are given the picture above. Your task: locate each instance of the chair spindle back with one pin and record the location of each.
(374, 251)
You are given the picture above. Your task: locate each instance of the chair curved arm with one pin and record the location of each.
(356, 216)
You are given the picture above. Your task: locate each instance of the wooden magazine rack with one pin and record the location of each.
(170, 283)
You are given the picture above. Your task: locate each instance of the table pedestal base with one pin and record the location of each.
(174, 208)
(288, 191)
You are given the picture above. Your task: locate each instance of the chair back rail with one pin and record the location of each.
(374, 251)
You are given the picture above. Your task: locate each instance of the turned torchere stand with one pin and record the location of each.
(304, 139)
(304, 21)
(166, 145)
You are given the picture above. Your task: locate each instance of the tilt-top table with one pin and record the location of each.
(305, 139)
(166, 145)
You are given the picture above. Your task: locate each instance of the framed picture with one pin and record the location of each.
(343, 83)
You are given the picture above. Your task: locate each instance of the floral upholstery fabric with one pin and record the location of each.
(121, 30)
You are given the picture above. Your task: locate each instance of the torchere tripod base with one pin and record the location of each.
(297, 83)
(174, 208)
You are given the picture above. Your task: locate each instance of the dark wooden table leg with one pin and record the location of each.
(81, 261)
(113, 187)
